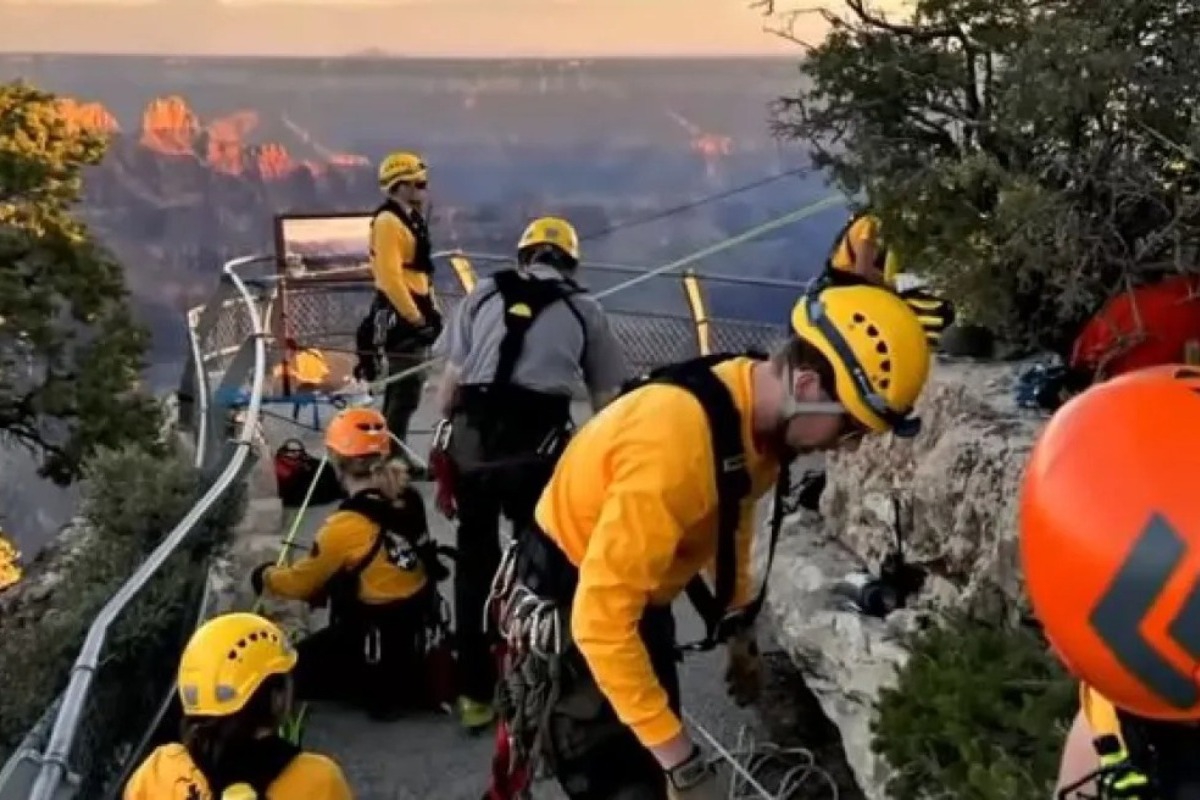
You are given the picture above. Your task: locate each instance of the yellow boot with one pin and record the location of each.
(473, 715)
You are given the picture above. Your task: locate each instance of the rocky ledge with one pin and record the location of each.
(957, 483)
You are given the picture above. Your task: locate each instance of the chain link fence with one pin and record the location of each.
(652, 320)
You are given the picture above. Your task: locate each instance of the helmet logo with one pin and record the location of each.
(1120, 615)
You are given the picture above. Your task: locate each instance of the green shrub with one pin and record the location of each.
(980, 713)
(1027, 157)
(131, 500)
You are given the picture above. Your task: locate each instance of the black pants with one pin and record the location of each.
(373, 658)
(594, 755)
(483, 493)
(402, 397)
(481, 500)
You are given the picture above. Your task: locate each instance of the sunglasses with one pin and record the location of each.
(420, 185)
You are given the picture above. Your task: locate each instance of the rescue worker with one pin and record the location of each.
(517, 348)
(1110, 489)
(661, 483)
(235, 687)
(860, 255)
(404, 319)
(375, 564)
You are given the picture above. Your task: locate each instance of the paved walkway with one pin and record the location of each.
(431, 757)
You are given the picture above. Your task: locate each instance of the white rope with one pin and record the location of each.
(751, 763)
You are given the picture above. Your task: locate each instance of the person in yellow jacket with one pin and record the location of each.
(375, 564)
(1110, 490)
(860, 255)
(404, 319)
(235, 687)
(634, 513)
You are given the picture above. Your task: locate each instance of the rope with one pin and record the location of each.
(754, 764)
(703, 201)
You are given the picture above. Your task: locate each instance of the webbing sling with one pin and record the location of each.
(524, 299)
(733, 487)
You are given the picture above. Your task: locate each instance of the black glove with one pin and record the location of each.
(427, 334)
(367, 368)
(256, 577)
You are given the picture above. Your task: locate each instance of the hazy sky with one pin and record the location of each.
(404, 27)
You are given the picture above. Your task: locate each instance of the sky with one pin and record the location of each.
(483, 28)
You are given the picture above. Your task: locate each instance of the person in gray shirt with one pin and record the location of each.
(517, 349)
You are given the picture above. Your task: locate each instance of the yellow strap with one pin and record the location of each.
(1100, 714)
(464, 271)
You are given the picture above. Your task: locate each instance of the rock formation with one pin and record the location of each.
(960, 479)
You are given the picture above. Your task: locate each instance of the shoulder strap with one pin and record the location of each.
(524, 299)
(1102, 718)
(372, 506)
(732, 481)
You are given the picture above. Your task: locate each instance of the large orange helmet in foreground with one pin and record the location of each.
(1110, 539)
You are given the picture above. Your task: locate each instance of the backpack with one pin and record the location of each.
(733, 487)
(296, 470)
(403, 534)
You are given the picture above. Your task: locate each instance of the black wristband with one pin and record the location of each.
(691, 772)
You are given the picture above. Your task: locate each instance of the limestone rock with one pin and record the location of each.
(958, 485)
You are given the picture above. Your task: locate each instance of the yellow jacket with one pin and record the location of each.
(633, 504)
(865, 229)
(393, 246)
(170, 774)
(343, 541)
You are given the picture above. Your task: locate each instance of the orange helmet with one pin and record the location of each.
(1110, 539)
(358, 432)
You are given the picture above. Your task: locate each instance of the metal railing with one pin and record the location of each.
(228, 344)
(50, 766)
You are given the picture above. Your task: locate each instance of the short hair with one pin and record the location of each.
(801, 354)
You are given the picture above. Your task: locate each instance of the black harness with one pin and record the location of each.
(525, 298)
(733, 487)
(258, 765)
(408, 522)
(384, 326)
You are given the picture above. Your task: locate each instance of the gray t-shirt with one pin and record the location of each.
(550, 360)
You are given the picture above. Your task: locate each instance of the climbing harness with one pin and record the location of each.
(525, 298)
(733, 487)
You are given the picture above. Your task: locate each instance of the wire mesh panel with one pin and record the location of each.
(649, 314)
(131, 681)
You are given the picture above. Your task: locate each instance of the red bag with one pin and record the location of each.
(444, 471)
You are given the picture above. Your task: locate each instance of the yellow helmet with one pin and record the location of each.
(402, 167)
(554, 231)
(227, 659)
(878, 350)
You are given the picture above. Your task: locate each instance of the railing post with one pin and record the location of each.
(695, 299)
(464, 271)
